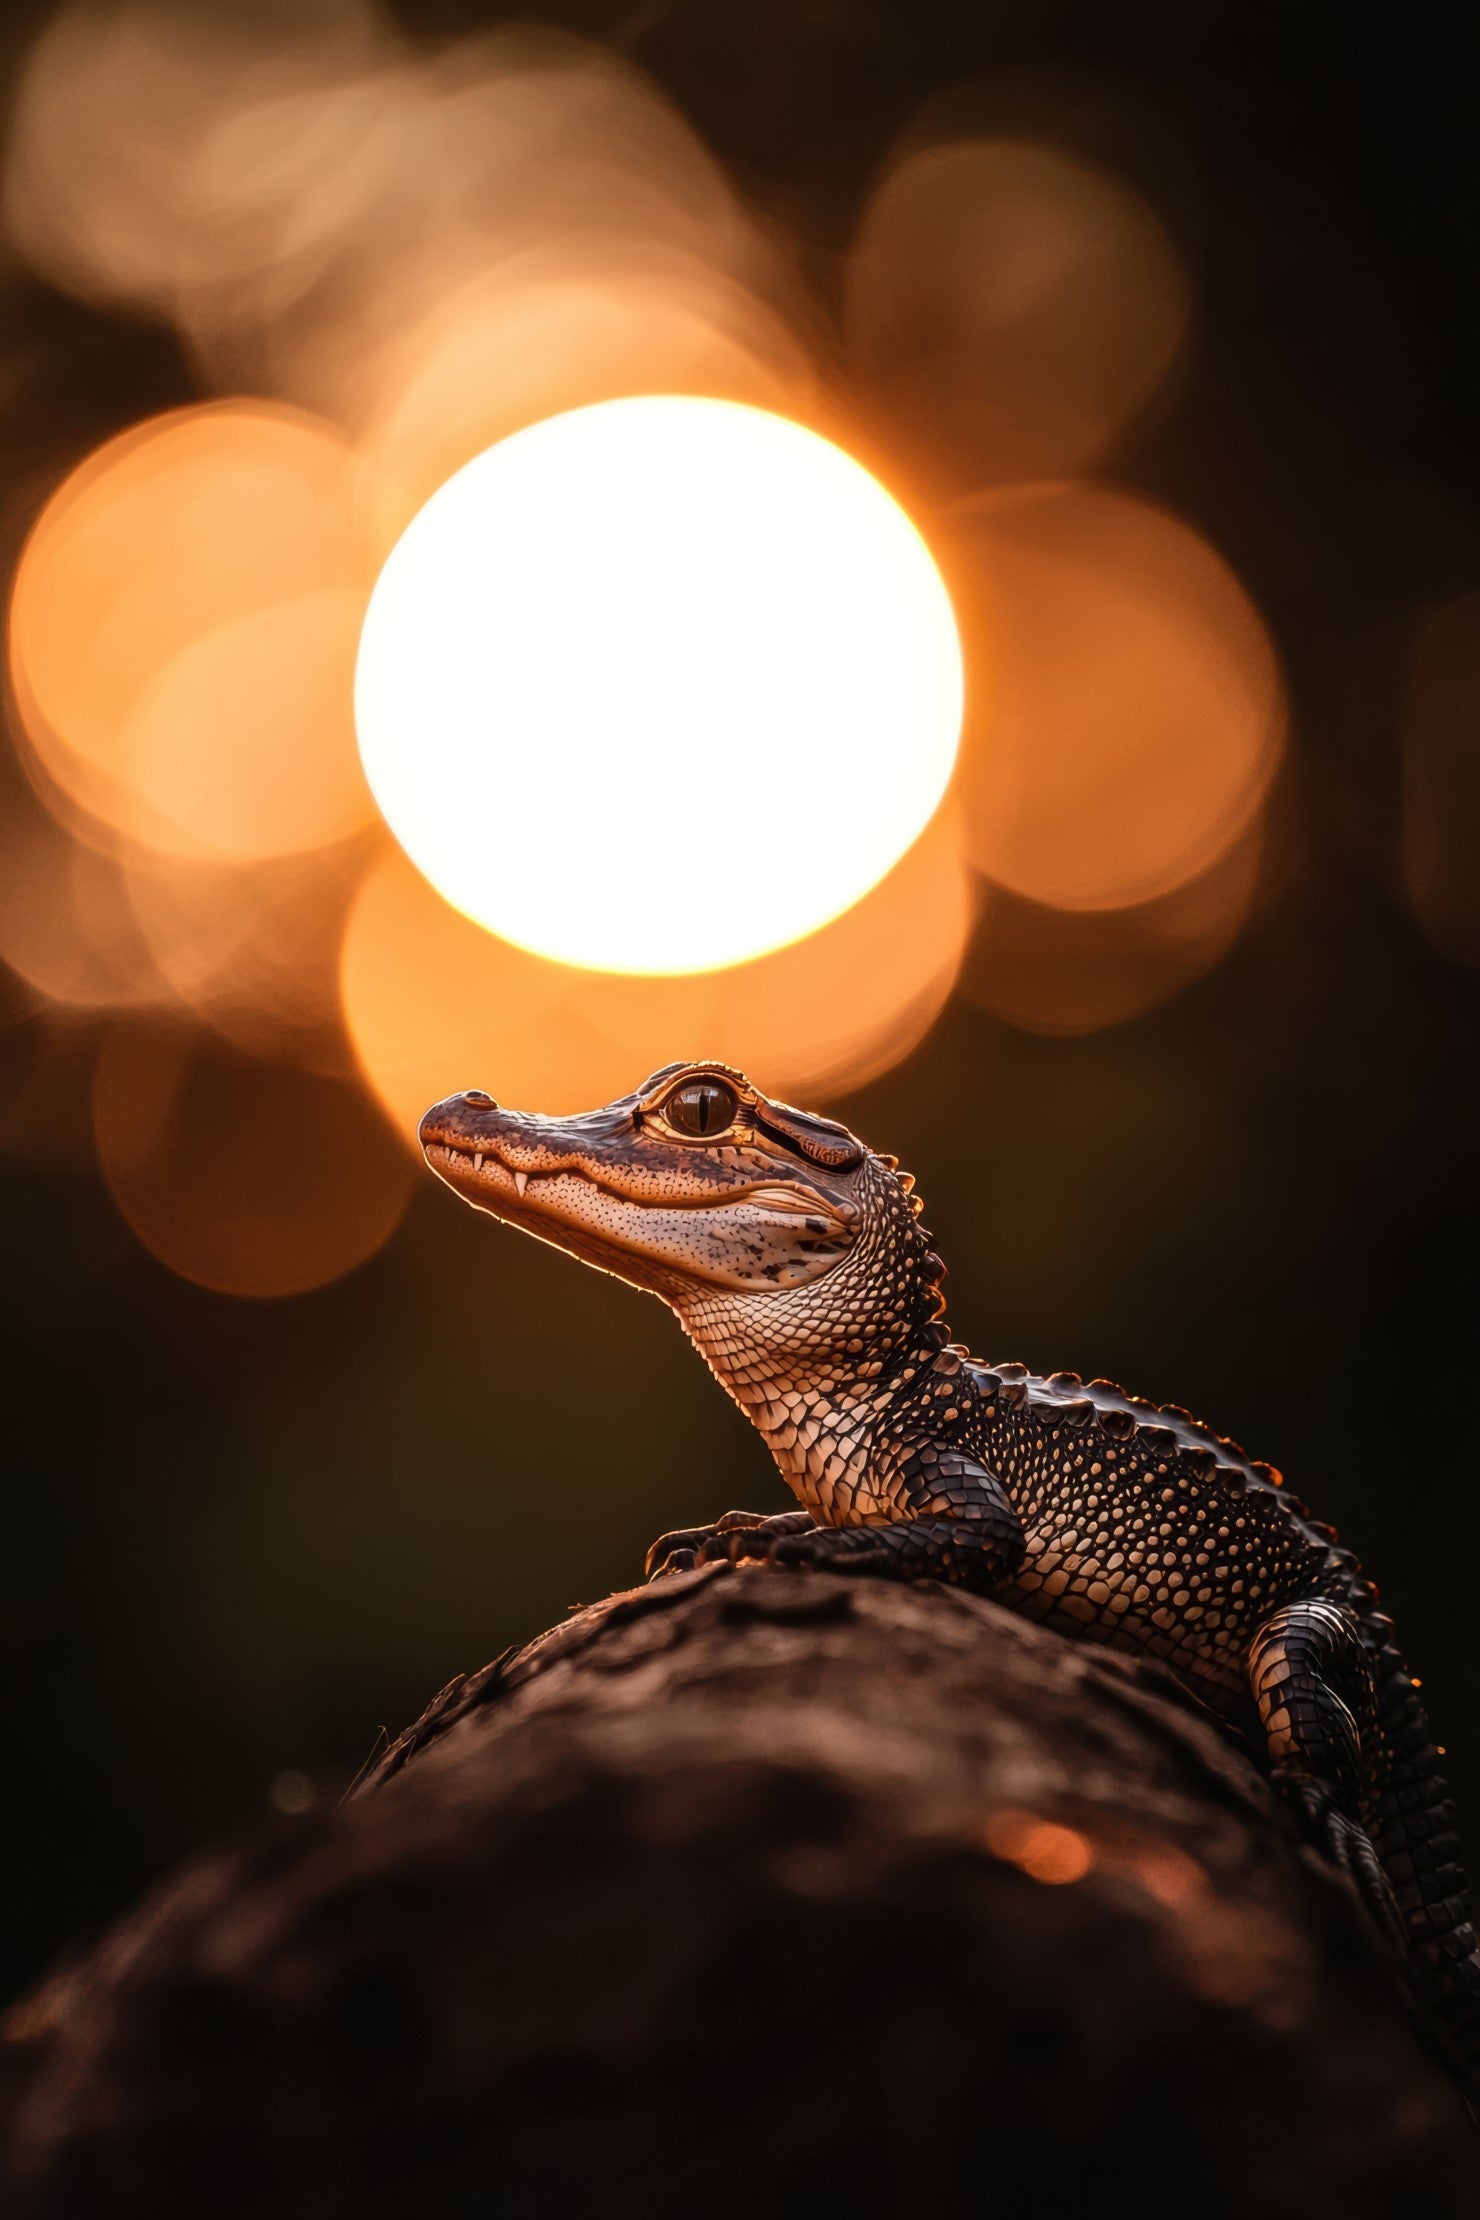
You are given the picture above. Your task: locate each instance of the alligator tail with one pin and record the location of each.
(1412, 1827)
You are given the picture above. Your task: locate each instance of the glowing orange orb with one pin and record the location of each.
(657, 685)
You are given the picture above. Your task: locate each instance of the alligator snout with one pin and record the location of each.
(450, 1119)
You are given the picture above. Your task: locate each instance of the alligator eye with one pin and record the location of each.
(703, 1108)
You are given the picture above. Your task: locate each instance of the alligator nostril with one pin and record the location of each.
(476, 1094)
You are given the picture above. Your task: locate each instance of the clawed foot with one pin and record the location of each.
(967, 1551)
(738, 1534)
(1348, 1846)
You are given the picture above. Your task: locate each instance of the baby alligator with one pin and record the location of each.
(795, 1260)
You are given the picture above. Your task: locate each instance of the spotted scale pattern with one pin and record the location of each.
(1139, 1533)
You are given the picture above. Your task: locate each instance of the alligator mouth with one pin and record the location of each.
(484, 1179)
(493, 1173)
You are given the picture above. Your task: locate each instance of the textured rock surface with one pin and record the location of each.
(753, 1893)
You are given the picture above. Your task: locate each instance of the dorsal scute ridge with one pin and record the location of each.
(1165, 1428)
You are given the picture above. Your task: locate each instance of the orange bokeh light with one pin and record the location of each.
(67, 923)
(433, 1003)
(242, 1176)
(183, 617)
(438, 248)
(547, 336)
(835, 1010)
(115, 183)
(244, 744)
(1041, 1848)
(1076, 971)
(1127, 715)
(253, 951)
(520, 159)
(1014, 301)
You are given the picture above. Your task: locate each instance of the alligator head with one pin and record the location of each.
(791, 1252)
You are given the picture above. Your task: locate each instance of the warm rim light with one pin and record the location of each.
(658, 685)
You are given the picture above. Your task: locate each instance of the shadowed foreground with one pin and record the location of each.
(753, 1893)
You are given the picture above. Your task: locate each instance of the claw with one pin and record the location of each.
(1349, 1848)
(676, 1561)
(696, 1542)
(667, 1545)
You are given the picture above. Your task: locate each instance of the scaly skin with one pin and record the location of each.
(794, 1258)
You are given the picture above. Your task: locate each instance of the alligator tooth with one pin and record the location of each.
(477, 1160)
(521, 1181)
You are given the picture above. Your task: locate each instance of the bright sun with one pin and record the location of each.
(658, 685)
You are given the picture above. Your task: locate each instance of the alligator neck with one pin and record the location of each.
(818, 1401)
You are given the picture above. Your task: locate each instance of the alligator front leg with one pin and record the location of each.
(954, 1523)
(1312, 1684)
(680, 1551)
(971, 1552)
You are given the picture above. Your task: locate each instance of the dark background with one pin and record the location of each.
(239, 1539)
